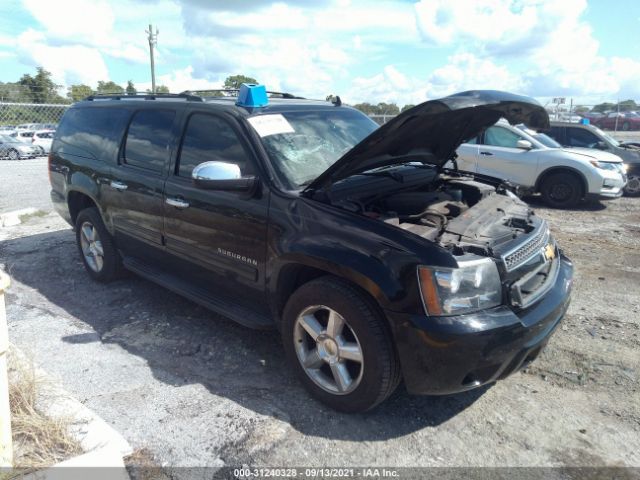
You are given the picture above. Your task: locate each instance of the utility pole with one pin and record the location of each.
(153, 41)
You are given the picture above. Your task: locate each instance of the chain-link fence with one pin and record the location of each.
(30, 115)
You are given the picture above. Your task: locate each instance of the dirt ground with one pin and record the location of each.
(195, 389)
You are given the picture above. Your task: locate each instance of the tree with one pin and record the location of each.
(234, 81)
(627, 105)
(109, 87)
(79, 92)
(604, 107)
(407, 107)
(581, 109)
(162, 89)
(131, 89)
(41, 87)
(366, 108)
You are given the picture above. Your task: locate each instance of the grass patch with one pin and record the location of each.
(27, 216)
(39, 441)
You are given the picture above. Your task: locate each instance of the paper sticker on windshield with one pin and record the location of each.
(267, 125)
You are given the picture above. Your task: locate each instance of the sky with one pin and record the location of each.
(376, 51)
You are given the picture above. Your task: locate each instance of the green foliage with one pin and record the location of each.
(41, 87)
(604, 107)
(407, 107)
(627, 105)
(381, 108)
(79, 92)
(131, 89)
(109, 87)
(234, 81)
(162, 89)
(581, 109)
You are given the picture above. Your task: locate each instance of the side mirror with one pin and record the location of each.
(601, 146)
(221, 176)
(524, 144)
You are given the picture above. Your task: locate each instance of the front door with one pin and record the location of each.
(499, 156)
(219, 236)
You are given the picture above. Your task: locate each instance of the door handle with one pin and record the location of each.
(118, 185)
(488, 154)
(176, 202)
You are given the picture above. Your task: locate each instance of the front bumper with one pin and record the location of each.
(443, 355)
(610, 185)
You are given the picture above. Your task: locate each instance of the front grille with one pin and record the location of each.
(521, 254)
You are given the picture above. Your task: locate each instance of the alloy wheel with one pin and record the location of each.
(13, 155)
(633, 185)
(91, 246)
(328, 350)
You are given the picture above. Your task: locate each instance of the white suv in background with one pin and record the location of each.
(536, 163)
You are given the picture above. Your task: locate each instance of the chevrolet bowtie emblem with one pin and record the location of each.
(549, 252)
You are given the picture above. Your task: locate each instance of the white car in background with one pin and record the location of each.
(43, 139)
(536, 163)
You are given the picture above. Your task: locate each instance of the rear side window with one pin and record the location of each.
(579, 137)
(93, 132)
(501, 137)
(210, 138)
(556, 133)
(148, 139)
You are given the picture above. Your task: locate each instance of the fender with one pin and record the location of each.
(553, 169)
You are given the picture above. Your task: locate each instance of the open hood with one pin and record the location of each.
(432, 131)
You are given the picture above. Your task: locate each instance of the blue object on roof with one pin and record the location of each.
(585, 121)
(252, 95)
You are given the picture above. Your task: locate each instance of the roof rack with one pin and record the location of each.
(144, 96)
(236, 90)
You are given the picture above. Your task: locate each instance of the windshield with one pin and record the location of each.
(303, 144)
(541, 137)
(7, 139)
(608, 138)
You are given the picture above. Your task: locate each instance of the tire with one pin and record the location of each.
(625, 126)
(632, 189)
(92, 238)
(373, 378)
(561, 190)
(13, 154)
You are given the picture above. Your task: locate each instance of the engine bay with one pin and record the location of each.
(458, 212)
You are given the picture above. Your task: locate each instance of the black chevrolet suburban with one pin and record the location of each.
(375, 262)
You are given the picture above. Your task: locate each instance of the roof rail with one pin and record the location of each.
(236, 90)
(144, 96)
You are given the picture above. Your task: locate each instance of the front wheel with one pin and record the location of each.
(340, 346)
(13, 154)
(561, 190)
(632, 188)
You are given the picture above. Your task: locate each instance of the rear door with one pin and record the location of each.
(136, 183)
(499, 156)
(219, 237)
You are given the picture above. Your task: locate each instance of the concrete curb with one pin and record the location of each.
(10, 219)
(102, 444)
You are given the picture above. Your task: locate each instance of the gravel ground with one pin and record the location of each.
(197, 389)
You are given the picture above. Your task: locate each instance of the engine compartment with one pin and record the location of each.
(458, 212)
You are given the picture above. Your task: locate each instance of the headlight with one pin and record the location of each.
(474, 285)
(605, 165)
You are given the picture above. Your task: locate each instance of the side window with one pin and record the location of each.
(556, 134)
(148, 139)
(92, 132)
(210, 138)
(501, 137)
(578, 137)
(472, 141)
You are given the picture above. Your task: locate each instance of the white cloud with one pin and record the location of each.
(67, 64)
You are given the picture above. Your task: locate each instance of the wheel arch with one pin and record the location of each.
(563, 169)
(77, 201)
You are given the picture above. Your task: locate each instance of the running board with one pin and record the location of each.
(225, 307)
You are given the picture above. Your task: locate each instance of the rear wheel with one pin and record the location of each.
(339, 345)
(561, 190)
(99, 254)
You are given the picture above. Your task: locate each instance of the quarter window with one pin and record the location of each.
(148, 139)
(210, 138)
(501, 137)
